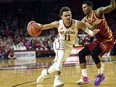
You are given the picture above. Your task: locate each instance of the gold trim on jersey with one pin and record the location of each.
(97, 17)
(93, 18)
(90, 24)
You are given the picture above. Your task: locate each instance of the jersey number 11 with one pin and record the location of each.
(67, 37)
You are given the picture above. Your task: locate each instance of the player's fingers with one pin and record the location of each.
(39, 24)
(31, 22)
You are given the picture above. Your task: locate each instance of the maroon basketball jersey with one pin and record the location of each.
(105, 33)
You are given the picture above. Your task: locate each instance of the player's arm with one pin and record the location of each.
(107, 9)
(81, 25)
(87, 24)
(83, 20)
(50, 25)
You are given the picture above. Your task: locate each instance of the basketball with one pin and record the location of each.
(33, 29)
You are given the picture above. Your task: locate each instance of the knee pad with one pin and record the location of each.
(95, 58)
(82, 57)
(84, 52)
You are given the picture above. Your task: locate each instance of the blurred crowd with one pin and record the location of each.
(14, 17)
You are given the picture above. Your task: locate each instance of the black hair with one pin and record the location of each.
(63, 9)
(89, 3)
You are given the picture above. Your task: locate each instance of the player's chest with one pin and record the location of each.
(67, 31)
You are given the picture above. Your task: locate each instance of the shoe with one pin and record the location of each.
(84, 80)
(99, 78)
(42, 76)
(58, 83)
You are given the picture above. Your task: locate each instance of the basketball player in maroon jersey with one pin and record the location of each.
(94, 19)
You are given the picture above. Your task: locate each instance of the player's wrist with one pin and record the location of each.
(90, 32)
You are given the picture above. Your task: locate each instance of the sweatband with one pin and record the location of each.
(90, 32)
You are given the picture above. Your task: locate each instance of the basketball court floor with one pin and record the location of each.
(25, 75)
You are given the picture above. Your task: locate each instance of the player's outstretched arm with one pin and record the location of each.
(81, 25)
(107, 9)
(50, 25)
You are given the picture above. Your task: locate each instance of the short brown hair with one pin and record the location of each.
(63, 9)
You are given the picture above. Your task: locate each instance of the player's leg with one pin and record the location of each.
(95, 53)
(42, 76)
(59, 50)
(52, 68)
(58, 67)
(82, 54)
(62, 55)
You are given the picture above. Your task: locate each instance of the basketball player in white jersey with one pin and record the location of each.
(63, 44)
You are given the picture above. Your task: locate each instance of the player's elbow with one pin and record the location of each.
(110, 9)
(113, 6)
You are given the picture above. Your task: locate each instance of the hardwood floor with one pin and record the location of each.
(25, 75)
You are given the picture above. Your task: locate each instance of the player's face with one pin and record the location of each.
(86, 9)
(66, 16)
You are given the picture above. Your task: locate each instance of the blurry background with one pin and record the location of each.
(15, 14)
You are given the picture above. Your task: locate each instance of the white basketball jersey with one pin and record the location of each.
(68, 35)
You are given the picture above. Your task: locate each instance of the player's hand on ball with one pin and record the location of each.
(34, 28)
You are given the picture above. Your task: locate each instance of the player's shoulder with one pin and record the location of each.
(99, 9)
(99, 12)
(60, 21)
(75, 21)
(78, 21)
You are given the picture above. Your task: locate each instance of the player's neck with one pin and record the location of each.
(89, 16)
(90, 13)
(68, 24)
